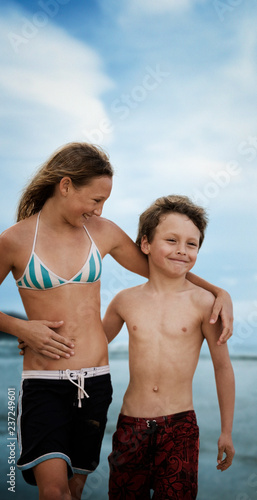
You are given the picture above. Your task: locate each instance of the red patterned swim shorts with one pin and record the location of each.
(159, 454)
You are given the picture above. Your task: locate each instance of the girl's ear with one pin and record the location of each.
(145, 246)
(65, 185)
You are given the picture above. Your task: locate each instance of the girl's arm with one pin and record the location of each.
(36, 334)
(122, 248)
(128, 255)
(222, 307)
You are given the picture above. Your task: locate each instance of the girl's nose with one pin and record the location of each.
(98, 211)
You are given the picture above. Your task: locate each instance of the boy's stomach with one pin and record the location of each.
(155, 398)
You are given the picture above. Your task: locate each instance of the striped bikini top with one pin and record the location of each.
(38, 276)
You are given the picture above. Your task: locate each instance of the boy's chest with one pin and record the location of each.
(180, 319)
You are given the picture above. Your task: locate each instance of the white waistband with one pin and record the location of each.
(70, 375)
(66, 374)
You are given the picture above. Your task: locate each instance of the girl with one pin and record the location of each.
(55, 253)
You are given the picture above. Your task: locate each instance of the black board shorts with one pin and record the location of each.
(54, 422)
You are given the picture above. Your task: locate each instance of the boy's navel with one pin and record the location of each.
(155, 388)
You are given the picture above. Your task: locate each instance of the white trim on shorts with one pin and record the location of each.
(62, 374)
(70, 375)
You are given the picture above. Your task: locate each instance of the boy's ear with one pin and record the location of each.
(145, 246)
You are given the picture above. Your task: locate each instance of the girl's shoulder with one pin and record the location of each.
(100, 223)
(18, 234)
(104, 231)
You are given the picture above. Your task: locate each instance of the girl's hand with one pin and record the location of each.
(223, 307)
(39, 336)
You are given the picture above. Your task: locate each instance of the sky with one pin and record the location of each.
(168, 89)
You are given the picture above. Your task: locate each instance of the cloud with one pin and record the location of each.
(176, 132)
(242, 71)
(229, 281)
(153, 7)
(191, 133)
(49, 74)
(246, 310)
(51, 88)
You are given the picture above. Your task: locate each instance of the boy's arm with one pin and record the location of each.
(225, 383)
(112, 321)
(222, 307)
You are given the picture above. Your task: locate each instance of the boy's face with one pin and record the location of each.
(175, 245)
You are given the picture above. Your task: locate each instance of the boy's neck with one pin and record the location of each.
(161, 283)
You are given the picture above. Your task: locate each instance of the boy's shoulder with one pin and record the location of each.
(128, 294)
(203, 298)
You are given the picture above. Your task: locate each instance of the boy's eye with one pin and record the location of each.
(193, 244)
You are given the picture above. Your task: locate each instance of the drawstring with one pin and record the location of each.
(81, 391)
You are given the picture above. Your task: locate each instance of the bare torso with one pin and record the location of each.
(165, 339)
(76, 304)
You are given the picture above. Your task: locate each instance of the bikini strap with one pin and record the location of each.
(89, 235)
(35, 236)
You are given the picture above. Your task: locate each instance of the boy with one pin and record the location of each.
(156, 444)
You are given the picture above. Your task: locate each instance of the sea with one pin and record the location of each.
(237, 483)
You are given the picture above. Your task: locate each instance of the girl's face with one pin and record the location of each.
(87, 200)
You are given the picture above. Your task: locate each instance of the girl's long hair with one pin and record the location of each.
(78, 160)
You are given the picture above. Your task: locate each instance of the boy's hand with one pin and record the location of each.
(22, 346)
(225, 445)
(223, 307)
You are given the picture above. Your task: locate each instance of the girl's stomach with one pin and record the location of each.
(78, 306)
(90, 349)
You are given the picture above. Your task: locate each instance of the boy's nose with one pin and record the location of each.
(181, 250)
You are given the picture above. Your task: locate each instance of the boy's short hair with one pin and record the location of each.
(150, 218)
